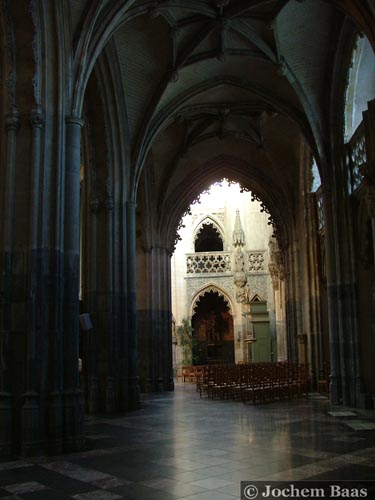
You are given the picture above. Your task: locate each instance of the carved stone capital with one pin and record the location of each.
(36, 118)
(74, 120)
(109, 204)
(94, 205)
(12, 120)
(273, 269)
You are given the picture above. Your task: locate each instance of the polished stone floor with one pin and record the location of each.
(178, 446)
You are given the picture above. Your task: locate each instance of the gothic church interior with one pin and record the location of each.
(116, 115)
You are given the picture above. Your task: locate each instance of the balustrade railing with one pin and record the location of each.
(356, 157)
(221, 262)
(208, 262)
(255, 261)
(319, 202)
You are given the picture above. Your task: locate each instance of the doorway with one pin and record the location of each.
(213, 330)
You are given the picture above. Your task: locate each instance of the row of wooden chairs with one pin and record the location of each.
(255, 382)
(190, 373)
(193, 373)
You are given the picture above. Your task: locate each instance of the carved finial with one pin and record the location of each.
(238, 233)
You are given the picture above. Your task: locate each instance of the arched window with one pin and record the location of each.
(208, 239)
(361, 85)
(315, 177)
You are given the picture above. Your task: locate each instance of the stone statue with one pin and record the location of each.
(239, 260)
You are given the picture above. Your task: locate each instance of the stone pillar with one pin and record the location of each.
(239, 331)
(12, 123)
(109, 330)
(333, 317)
(316, 349)
(30, 412)
(156, 320)
(133, 370)
(292, 301)
(166, 309)
(276, 270)
(73, 408)
(90, 300)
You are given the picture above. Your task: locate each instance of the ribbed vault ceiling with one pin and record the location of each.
(245, 83)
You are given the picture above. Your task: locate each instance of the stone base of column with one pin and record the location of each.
(170, 386)
(335, 391)
(110, 403)
(30, 424)
(93, 395)
(6, 424)
(147, 385)
(74, 438)
(123, 394)
(55, 423)
(160, 384)
(134, 393)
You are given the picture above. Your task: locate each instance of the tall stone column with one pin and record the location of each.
(73, 408)
(316, 353)
(12, 123)
(145, 318)
(89, 276)
(165, 372)
(277, 274)
(292, 304)
(30, 413)
(112, 355)
(155, 325)
(133, 369)
(333, 315)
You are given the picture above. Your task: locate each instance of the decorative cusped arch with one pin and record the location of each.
(211, 287)
(209, 219)
(235, 169)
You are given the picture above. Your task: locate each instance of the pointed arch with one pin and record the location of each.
(208, 236)
(211, 287)
(208, 219)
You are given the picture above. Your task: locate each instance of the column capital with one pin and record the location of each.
(109, 204)
(74, 120)
(36, 118)
(12, 120)
(131, 204)
(94, 205)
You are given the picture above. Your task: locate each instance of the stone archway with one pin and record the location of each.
(213, 329)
